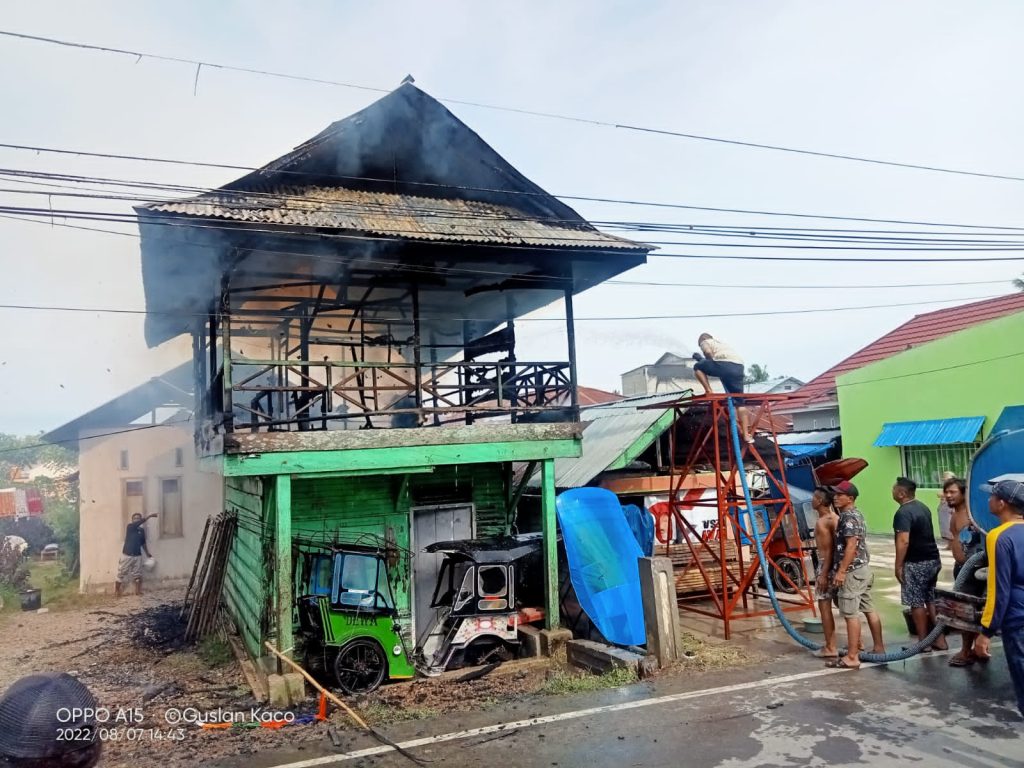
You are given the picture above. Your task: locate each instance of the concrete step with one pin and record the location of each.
(600, 658)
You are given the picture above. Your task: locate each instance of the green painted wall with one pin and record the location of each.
(349, 506)
(246, 592)
(976, 372)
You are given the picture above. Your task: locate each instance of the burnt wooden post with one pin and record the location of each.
(225, 342)
(417, 352)
(570, 332)
(283, 557)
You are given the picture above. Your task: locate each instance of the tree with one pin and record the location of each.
(756, 373)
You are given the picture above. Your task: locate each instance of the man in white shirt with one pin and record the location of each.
(721, 361)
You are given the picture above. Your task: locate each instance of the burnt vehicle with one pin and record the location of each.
(348, 623)
(485, 588)
(350, 629)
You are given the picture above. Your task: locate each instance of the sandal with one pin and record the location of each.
(841, 663)
(961, 661)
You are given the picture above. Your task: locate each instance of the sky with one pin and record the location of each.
(930, 83)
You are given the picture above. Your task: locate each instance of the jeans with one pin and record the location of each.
(1013, 647)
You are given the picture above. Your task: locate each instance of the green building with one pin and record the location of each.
(924, 410)
(352, 307)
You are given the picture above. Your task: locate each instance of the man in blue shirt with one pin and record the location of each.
(1004, 603)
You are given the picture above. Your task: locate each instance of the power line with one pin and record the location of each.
(933, 370)
(273, 313)
(95, 436)
(599, 247)
(652, 283)
(199, 64)
(581, 198)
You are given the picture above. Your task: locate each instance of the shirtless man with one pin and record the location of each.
(966, 541)
(825, 538)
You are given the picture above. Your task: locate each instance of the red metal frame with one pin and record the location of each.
(732, 599)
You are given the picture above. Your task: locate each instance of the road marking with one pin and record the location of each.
(562, 717)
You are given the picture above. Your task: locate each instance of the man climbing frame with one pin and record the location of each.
(722, 362)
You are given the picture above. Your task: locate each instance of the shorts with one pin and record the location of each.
(854, 596)
(129, 568)
(730, 374)
(919, 579)
(830, 591)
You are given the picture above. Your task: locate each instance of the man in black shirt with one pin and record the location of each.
(129, 567)
(917, 558)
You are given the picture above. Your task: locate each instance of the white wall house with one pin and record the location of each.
(137, 454)
(145, 470)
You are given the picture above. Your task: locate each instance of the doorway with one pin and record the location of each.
(441, 522)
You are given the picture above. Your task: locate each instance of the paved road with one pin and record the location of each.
(792, 713)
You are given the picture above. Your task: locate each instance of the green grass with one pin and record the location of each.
(215, 652)
(574, 682)
(59, 589)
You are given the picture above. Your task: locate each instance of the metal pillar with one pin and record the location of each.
(549, 527)
(283, 562)
(729, 577)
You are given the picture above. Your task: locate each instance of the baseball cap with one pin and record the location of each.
(1010, 491)
(845, 487)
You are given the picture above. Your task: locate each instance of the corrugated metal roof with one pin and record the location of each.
(913, 333)
(610, 431)
(932, 432)
(393, 215)
(801, 438)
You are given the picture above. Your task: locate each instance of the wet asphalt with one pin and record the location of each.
(916, 712)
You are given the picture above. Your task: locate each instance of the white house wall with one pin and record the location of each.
(151, 457)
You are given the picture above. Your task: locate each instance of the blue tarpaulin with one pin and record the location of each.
(933, 432)
(602, 555)
(806, 449)
(642, 525)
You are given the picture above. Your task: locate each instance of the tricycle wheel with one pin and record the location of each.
(790, 567)
(360, 666)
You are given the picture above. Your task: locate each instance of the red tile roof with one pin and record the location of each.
(919, 330)
(591, 396)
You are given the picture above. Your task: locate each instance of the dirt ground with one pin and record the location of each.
(128, 652)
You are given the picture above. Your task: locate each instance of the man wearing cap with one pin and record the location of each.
(1004, 604)
(917, 558)
(852, 577)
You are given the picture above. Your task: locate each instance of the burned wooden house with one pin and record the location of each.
(353, 311)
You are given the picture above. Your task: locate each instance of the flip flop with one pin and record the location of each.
(841, 663)
(819, 655)
(960, 661)
(982, 659)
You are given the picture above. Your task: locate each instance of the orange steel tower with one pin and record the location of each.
(702, 428)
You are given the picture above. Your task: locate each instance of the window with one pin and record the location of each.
(124, 460)
(133, 499)
(360, 581)
(924, 464)
(179, 457)
(170, 508)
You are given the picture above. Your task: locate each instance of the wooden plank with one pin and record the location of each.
(308, 462)
(550, 533)
(283, 562)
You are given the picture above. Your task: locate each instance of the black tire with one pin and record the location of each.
(791, 568)
(360, 666)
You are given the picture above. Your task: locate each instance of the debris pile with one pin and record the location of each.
(160, 627)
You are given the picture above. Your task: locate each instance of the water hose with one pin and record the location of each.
(879, 658)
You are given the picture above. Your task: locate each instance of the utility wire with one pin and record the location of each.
(95, 436)
(199, 64)
(573, 246)
(932, 370)
(582, 198)
(277, 313)
(650, 283)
